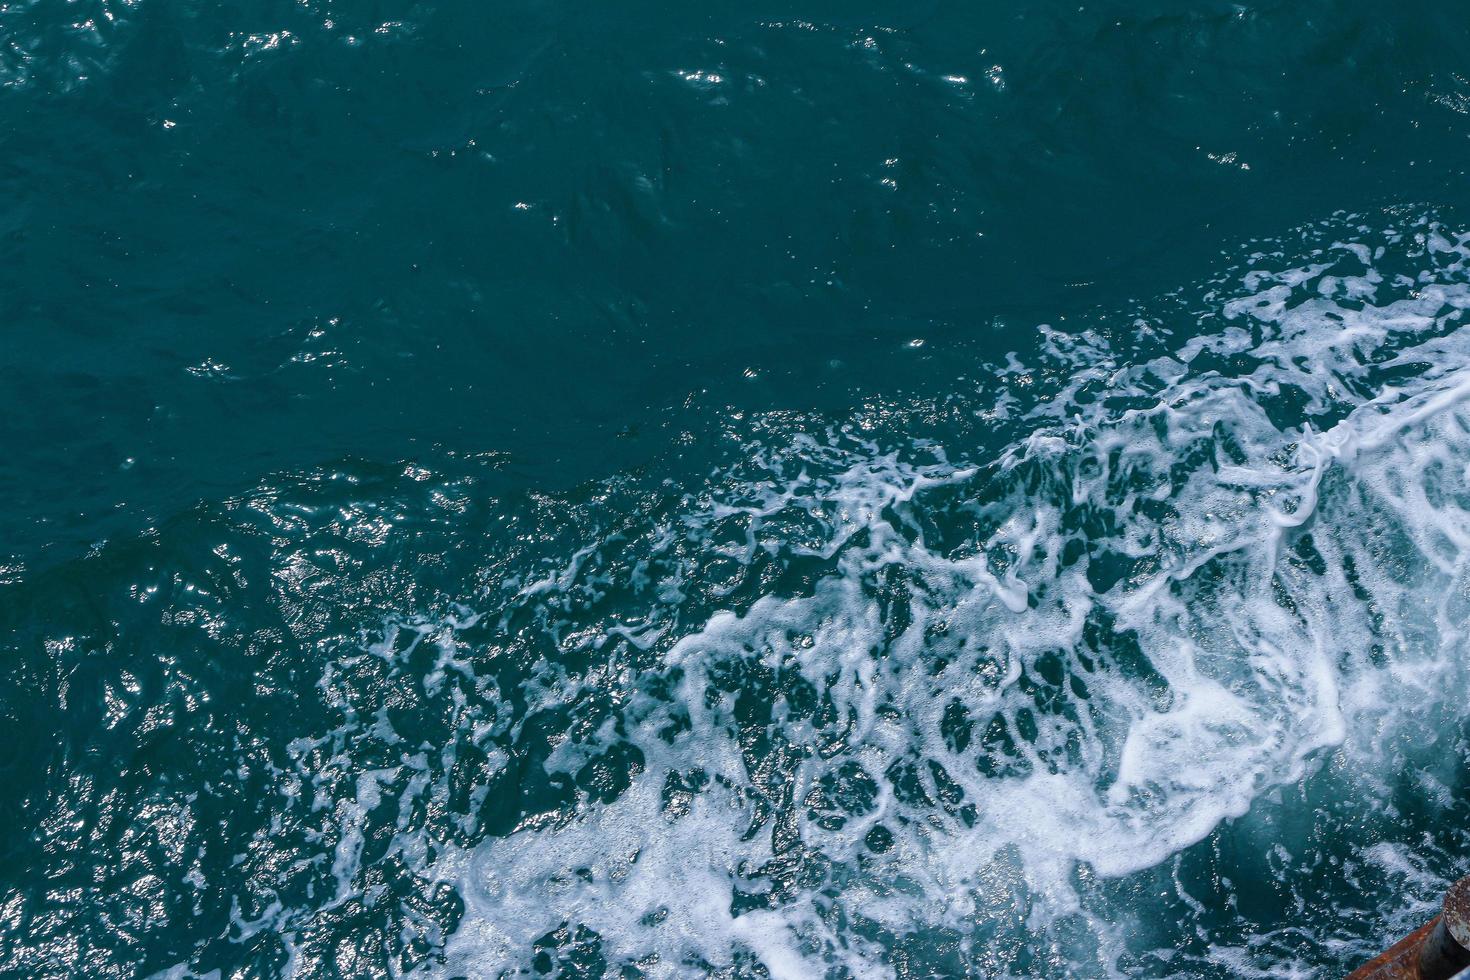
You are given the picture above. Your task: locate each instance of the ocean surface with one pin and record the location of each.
(834, 490)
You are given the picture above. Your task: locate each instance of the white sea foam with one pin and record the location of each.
(1190, 573)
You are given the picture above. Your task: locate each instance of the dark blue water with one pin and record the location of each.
(544, 489)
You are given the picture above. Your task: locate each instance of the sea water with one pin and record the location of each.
(534, 491)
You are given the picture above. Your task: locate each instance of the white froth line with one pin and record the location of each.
(1432, 407)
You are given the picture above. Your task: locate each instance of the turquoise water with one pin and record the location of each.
(536, 489)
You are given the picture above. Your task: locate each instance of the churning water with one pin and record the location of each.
(1128, 641)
